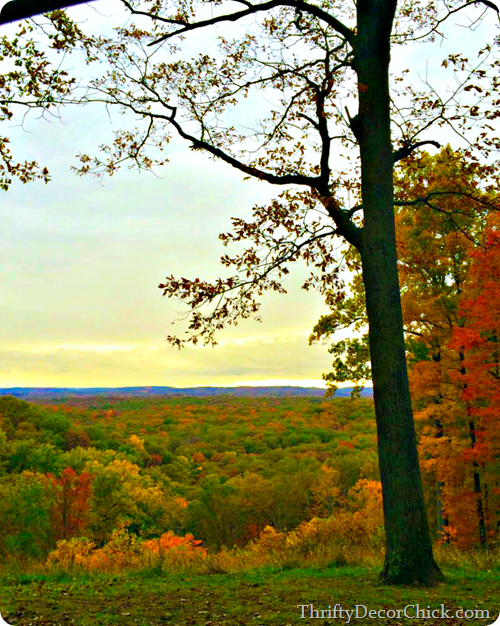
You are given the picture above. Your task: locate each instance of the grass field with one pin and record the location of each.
(265, 597)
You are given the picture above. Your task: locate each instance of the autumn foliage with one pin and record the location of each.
(449, 269)
(169, 484)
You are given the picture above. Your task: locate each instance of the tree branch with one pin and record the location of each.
(299, 5)
(440, 21)
(227, 309)
(449, 214)
(345, 226)
(489, 4)
(424, 199)
(287, 179)
(314, 182)
(23, 9)
(405, 151)
(145, 13)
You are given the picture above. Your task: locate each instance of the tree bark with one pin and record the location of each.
(409, 558)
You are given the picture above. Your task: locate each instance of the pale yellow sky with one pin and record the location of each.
(80, 265)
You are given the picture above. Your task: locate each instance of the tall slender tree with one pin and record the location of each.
(310, 59)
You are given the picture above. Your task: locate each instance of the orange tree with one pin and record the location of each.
(439, 251)
(454, 379)
(439, 247)
(310, 59)
(477, 374)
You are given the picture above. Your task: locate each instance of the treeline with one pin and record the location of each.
(35, 394)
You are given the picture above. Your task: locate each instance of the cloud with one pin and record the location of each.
(277, 358)
(81, 264)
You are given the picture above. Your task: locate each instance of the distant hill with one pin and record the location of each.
(130, 392)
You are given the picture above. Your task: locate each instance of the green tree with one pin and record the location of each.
(210, 516)
(123, 497)
(4, 451)
(25, 508)
(13, 412)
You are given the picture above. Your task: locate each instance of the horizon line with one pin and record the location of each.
(369, 386)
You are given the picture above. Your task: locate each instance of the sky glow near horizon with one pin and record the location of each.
(81, 264)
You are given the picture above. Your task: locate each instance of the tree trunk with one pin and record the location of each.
(475, 465)
(409, 557)
(442, 519)
(477, 487)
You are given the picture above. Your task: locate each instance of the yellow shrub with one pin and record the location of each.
(70, 552)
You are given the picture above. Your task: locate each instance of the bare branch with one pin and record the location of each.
(451, 12)
(450, 214)
(425, 199)
(145, 13)
(489, 4)
(287, 179)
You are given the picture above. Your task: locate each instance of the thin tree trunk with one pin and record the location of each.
(477, 487)
(441, 519)
(475, 465)
(409, 557)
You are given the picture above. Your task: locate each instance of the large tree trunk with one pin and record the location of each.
(409, 557)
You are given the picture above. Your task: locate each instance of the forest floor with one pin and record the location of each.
(265, 597)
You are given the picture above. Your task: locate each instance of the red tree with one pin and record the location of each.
(71, 510)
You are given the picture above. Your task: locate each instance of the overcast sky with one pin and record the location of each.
(81, 263)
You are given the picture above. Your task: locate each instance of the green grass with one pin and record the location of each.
(261, 597)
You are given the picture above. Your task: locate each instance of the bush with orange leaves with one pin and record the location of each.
(173, 552)
(123, 550)
(126, 551)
